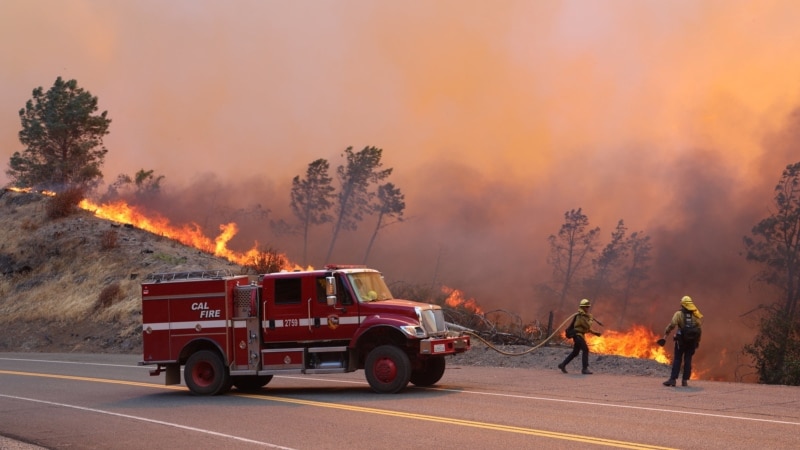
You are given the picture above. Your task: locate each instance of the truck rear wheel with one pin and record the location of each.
(430, 371)
(388, 369)
(249, 383)
(205, 374)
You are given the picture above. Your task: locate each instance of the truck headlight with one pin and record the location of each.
(414, 331)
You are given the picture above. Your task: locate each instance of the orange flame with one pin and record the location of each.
(455, 299)
(531, 329)
(190, 235)
(638, 342)
(29, 190)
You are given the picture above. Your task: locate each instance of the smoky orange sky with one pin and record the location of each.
(497, 117)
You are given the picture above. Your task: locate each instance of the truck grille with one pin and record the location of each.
(433, 321)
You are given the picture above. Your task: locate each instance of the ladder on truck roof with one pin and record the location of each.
(190, 275)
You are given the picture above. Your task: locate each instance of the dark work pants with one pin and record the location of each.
(578, 345)
(683, 354)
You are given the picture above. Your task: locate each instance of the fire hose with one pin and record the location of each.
(503, 352)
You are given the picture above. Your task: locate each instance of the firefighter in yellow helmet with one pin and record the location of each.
(583, 325)
(688, 321)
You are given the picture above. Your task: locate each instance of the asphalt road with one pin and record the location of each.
(107, 401)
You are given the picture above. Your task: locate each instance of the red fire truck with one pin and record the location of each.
(234, 330)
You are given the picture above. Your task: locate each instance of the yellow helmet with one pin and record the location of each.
(687, 303)
(585, 303)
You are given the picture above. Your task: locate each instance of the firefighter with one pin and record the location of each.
(689, 321)
(583, 325)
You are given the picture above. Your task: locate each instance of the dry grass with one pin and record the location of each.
(78, 268)
(109, 240)
(64, 203)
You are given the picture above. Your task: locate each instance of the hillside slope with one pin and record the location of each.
(73, 284)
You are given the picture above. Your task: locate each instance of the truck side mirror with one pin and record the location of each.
(330, 290)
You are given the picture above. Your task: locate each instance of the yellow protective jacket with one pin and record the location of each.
(583, 322)
(677, 322)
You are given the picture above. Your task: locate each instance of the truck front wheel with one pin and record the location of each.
(205, 374)
(430, 371)
(388, 369)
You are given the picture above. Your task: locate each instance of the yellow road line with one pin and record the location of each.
(384, 412)
(94, 380)
(452, 421)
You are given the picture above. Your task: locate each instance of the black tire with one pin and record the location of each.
(388, 369)
(250, 383)
(226, 387)
(206, 374)
(430, 373)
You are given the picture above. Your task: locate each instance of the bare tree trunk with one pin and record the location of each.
(372, 239)
(305, 242)
(333, 239)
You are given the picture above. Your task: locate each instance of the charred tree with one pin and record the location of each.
(312, 198)
(636, 269)
(571, 250)
(144, 185)
(389, 207)
(774, 244)
(607, 264)
(356, 178)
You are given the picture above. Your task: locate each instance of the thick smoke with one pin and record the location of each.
(496, 118)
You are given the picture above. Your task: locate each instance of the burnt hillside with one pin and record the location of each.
(71, 284)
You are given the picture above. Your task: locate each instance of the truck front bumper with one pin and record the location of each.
(444, 346)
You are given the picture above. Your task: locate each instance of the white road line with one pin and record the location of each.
(610, 405)
(578, 402)
(144, 419)
(614, 405)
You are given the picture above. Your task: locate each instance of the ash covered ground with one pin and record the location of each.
(548, 357)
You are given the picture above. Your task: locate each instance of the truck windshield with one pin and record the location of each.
(369, 286)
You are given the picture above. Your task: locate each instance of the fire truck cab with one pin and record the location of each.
(235, 330)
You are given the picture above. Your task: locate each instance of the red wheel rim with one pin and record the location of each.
(203, 374)
(385, 370)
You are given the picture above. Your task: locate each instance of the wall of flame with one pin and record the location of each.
(677, 117)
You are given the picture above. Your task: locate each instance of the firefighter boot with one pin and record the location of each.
(586, 371)
(670, 382)
(684, 383)
(563, 367)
